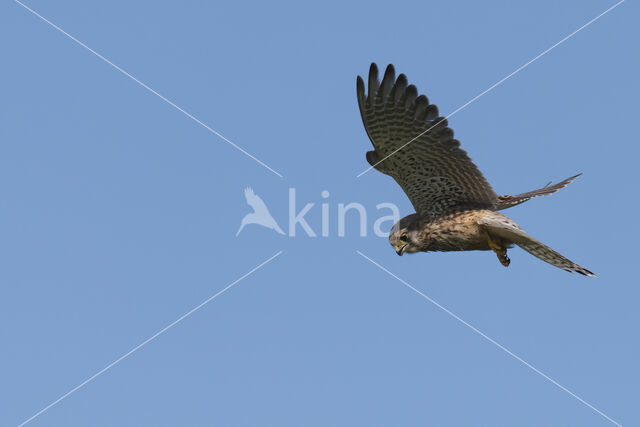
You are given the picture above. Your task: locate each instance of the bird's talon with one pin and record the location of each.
(504, 260)
(500, 251)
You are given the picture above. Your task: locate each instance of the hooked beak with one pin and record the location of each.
(400, 249)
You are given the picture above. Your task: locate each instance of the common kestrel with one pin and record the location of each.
(455, 205)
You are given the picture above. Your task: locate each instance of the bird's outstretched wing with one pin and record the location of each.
(505, 202)
(512, 233)
(432, 169)
(254, 201)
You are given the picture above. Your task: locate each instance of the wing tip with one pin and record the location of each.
(571, 178)
(586, 272)
(374, 73)
(390, 71)
(360, 88)
(373, 69)
(373, 82)
(575, 268)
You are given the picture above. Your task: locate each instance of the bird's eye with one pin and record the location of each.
(404, 237)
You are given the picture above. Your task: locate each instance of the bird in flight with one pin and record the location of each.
(456, 208)
(260, 214)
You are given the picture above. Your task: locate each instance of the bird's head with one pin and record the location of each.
(405, 235)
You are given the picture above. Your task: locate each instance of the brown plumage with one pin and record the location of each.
(455, 205)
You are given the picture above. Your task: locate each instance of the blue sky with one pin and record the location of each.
(119, 213)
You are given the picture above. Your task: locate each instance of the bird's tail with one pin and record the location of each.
(545, 253)
(505, 202)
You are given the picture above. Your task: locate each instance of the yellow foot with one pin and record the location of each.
(499, 249)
